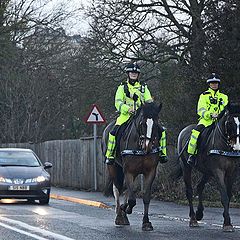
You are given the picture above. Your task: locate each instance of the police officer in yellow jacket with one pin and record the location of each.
(210, 104)
(128, 98)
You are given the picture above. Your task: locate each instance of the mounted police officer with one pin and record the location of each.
(210, 104)
(129, 97)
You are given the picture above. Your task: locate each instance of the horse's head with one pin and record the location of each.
(232, 125)
(148, 126)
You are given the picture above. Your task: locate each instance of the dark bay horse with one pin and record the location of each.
(137, 153)
(218, 156)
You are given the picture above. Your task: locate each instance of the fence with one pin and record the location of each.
(72, 161)
(73, 167)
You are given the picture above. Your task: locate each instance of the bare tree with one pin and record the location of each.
(32, 64)
(153, 31)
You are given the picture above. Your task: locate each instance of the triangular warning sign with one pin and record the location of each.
(95, 116)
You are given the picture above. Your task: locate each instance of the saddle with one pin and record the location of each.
(205, 137)
(121, 133)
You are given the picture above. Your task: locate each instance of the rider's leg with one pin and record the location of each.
(163, 144)
(110, 153)
(192, 145)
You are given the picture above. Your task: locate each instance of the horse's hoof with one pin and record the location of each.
(120, 220)
(122, 223)
(193, 223)
(125, 219)
(147, 226)
(228, 228)
(126, 222)
(199, 215)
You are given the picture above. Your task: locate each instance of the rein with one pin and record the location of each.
(137, 123)
(225, 137)
(222, 135)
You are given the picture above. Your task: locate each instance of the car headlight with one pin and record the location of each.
(5, 180)
(36, 179)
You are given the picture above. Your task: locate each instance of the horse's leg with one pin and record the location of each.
(147, 225)
(220, 176)
(187, 175)
(229, 179)
(200, 188)
(125, 199)
(121, 217)
(229, 183)
(129, 179)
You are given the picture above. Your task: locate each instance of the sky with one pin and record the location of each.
(77, 24)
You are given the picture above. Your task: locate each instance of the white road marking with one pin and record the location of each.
(187, 220)
(22, 232)
(41, 231)
(172, 218)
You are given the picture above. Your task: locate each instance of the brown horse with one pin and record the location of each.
(218, 156)
(137, 153)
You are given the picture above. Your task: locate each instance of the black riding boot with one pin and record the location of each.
(191, 160)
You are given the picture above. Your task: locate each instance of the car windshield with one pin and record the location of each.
(18, 158)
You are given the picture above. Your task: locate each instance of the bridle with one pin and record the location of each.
(143, 131)
(224, 133)
(148, 135)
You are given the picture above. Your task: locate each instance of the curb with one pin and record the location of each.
(80, 201)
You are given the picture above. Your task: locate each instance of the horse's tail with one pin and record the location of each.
(176, 172)
(108, 189)
(118, 181)
(183, 140)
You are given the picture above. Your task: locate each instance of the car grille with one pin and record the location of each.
(15, 194)
(18, 180)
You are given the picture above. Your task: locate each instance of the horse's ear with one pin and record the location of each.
(234, 107)
(159, 107)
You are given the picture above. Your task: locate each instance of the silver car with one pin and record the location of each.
(23, 176)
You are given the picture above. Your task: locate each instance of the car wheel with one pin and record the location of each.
(44, 201)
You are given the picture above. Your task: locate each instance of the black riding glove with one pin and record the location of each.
(135, 97)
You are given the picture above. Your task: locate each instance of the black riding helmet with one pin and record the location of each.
(133, 67)
(213, 78)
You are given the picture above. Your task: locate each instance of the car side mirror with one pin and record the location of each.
(47, 165)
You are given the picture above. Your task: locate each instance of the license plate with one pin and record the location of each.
(19, 188)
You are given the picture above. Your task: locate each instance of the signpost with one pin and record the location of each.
(95, 117)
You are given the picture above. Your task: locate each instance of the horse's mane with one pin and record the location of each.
(233, 107)
(150, 110)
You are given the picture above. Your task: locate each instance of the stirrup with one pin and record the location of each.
(191, 160)
(163, 159)
(109, 161)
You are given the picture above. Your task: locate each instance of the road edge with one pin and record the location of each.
(80, 201)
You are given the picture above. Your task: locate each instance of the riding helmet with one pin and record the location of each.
(213, 78)
(133, 67)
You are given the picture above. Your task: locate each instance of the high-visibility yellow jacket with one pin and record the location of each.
(210, 102)
(123, 103)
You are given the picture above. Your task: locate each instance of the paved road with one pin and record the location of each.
(93, 218)
(167, 212)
